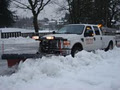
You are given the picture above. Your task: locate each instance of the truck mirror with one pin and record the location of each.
(53, 32)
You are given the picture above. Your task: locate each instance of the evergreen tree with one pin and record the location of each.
(93, 11)
(106, 11)
(80, 11)
(114, 10)
(6, 16)
(101, 11)
(75, 14)
(86, 11)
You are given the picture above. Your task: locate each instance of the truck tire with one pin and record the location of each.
(110, 46)
(75, 50)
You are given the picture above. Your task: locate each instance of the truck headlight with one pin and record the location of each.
(50, 37)
(66, 43)
(35, 37)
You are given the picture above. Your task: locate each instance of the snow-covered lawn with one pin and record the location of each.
(87, 71)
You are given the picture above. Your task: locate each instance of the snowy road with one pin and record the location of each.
(87, 71)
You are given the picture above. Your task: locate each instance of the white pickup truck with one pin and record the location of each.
(76, 37)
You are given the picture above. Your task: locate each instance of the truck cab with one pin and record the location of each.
(75, 37)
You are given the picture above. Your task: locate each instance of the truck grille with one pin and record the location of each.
(49, 46)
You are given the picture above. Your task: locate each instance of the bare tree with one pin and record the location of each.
(35, 6)
(62, 5)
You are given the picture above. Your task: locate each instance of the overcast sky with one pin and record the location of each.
(48, 12)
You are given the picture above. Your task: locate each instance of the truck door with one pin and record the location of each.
(97, 38)
(88, 38)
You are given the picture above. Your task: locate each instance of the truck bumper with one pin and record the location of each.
(62, 52)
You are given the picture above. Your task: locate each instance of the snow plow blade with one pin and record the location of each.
(14, 59)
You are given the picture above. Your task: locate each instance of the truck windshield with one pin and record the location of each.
(71, 29)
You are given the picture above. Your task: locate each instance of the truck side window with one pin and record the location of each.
(88, 31)
(97, 32)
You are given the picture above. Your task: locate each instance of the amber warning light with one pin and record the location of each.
(66, 43)
(100, 25)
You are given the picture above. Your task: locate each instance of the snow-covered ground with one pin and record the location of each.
(87, 71)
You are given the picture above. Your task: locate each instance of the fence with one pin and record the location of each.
(10, 34)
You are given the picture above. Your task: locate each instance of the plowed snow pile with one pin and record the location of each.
(87, 71)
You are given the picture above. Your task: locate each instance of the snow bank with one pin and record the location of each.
(87, 71)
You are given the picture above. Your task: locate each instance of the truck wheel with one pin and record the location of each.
(110, 46)
(75, 50)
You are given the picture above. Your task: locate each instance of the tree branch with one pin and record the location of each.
(42, 5)
(35, 3)
(22, 7)
(27, 7)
